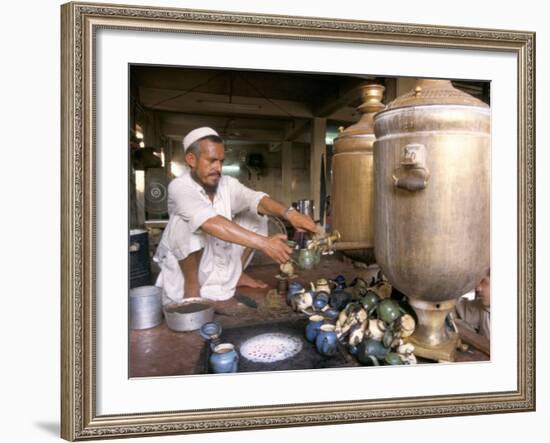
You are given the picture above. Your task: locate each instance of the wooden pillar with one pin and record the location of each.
(318, 147)
(286, 172)
(149, 129)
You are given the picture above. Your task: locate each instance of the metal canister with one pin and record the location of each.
(353, 179)
(306, 207)
(145, 307)
(140, 272)
(282, 285)
(432, 203)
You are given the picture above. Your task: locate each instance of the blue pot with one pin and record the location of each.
(293, 289)
(224, 359)
(331, 314)
(326, 341)
(320, 301)
(312, 328)
(211, 330)
(339, 299)
(340, 281)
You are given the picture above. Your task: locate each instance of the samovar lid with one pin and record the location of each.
(434, 92)
(371, 95)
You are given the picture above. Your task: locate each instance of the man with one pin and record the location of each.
(477, 313)
(215, 224)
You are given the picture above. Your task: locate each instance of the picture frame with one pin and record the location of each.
(80, 205)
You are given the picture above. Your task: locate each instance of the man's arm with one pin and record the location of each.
(300, 221)
(226, 230)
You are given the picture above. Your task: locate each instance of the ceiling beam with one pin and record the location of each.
(218, 104)
(177, 132)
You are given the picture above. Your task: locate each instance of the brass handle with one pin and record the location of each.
(412, 174)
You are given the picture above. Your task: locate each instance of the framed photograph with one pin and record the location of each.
(284, 95)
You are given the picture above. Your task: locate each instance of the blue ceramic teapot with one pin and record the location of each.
(326, 341)
(224, 359)
(313, 327)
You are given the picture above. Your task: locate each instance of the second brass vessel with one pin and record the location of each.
(353, 179)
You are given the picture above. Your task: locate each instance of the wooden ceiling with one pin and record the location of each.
(245, 106)
(258, 107)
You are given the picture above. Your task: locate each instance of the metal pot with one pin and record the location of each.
(432, 203)
(140, 272)
(353, 175)
(188, 315)
(145, 307)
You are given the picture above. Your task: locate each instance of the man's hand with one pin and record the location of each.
(302, 222)
(276, 248)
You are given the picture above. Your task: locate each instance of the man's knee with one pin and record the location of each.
(183, 242)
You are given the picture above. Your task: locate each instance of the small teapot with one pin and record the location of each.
(389, 310)
(313, 327)
(339, 282)
(303, 300)
(321, 285)
(369, 301)
(293, 289)
(306, 259)
(224, 359)
(370, 352)
(320, 302)
(331, 314)
(326, 341)
(211, 332)
(339, 299)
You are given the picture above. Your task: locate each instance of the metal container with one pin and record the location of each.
(145, 307)
(140, 272)
(188, 315)
(306, 207)
(353, 179)
(432, 203)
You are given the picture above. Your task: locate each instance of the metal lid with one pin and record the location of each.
(434, 92)
(372, 103)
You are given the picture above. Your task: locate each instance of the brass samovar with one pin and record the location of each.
(353, 179)
(432, 204)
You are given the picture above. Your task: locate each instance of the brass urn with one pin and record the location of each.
(353, 179)
(432, 204)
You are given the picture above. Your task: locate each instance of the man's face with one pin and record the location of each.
(483, 291)
(207, 168)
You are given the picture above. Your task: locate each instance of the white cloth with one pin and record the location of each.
(189, 207)
(475, 314)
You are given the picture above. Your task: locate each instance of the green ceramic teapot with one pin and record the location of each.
(389, 310)
(369, 301)
(370, 352)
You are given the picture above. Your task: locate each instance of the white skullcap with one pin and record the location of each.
(197, 134)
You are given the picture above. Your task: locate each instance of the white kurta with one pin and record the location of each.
(189, 207)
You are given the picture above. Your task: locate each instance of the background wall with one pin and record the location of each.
(29, 373)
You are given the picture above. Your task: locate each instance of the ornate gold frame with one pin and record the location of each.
(79, 23)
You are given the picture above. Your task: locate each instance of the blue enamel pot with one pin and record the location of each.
(326, 341)
(313, 327)
(224, 359)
